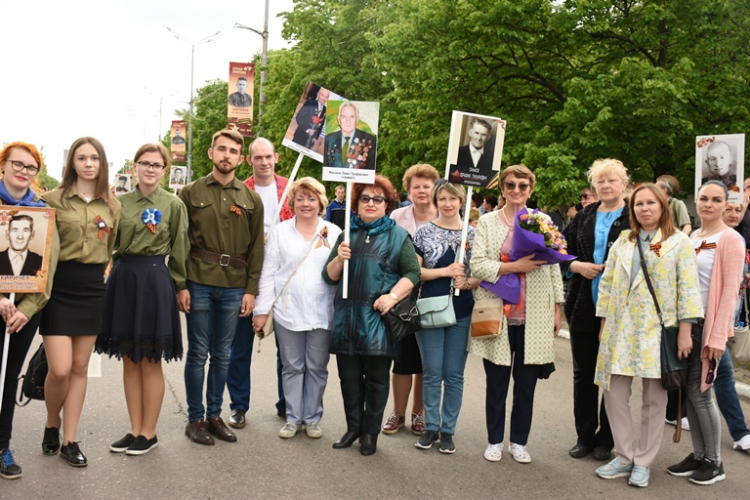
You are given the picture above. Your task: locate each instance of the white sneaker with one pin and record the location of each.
(519, 453)
(494, 452)
(685, 424)
(313, 430)
(288, 431)
(743, 444)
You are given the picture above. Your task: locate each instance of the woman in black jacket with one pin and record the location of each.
(590, 235)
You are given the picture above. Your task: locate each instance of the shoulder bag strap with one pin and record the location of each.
(309, 248)
(648, 280)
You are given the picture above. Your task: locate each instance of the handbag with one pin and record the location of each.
(32, 382)
(437, 312)
(402, 319)
(486, 318)
(673, 369)
(739, 345)
(267, 329)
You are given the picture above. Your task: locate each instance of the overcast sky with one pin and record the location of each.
(99, 68)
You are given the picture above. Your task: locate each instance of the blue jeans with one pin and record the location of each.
(211, 324)
(726, 398)
(443, 361)
(240, 358)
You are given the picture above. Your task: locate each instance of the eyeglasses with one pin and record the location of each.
(151, 166)
(586, 196)
(512, 185)
(20, 167)
(711, 372)
(376, 200)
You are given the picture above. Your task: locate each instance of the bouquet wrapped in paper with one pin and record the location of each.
(533, 233)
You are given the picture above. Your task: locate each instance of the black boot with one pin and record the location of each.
(346, 440)
(368, 444)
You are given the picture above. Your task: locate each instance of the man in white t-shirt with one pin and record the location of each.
(262, 156)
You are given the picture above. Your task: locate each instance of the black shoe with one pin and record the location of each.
(122, 445)
(73, 454)
(9, 469)
(142, 445)
(237, 419)
(709, 472)
(579, 451)
(425, 442)
(602, 454)
(346, 440)
(446, 443)
(51, 441)
(368, 444)
(686, 467)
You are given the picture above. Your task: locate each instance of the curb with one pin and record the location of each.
(742, 389)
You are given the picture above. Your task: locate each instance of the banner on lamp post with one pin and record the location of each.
(240, 98)
(178, 141)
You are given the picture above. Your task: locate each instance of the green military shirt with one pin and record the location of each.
(171, 237)
(76, 223)
(224, 220)
(31, 303)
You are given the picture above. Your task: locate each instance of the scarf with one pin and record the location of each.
(26, 201)
(379, 226)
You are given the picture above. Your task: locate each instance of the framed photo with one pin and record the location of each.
(721, 158)
(25, 245)
(351, 142)
(307, 131)
(177, 177)
(475, 149)
(123, 184)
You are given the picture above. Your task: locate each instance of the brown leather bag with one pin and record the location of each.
(486, 318)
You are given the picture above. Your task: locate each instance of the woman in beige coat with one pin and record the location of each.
(526, 339)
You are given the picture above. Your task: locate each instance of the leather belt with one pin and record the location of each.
(222, 259)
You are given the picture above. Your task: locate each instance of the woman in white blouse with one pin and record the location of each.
(296, 251)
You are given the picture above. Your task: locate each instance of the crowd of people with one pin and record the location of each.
(239, 260)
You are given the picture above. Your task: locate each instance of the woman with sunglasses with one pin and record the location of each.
(87, 216)
(630, 342)
(590, 235)
(720, 252)
(141, 322)
(383, 269)
(20, 163)
(528, 329)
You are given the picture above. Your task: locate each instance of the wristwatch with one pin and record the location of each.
(393, 296)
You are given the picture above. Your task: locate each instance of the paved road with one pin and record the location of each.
(262, 466)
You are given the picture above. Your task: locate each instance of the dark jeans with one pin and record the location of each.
(19, 347)
(365, 381)
(524, 385)
(588, 412)
(726, 398)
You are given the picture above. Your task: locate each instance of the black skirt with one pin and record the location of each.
(141, 318)
(77, 301)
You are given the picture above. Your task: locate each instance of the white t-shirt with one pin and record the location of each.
(705, 259)
(270, 197)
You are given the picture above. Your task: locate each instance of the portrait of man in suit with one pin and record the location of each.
(477, 155)
(350, 147)
(178, 177)
(311, 118)
(240, 99)
(122, 184)
(719, 160)
(18, 260)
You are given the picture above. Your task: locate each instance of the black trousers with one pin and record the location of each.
(592, 425)
(19, 347)
(365, 381)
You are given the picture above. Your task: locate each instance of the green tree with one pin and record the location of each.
(43, 179)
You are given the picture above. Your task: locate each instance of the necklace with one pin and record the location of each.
(502, 210)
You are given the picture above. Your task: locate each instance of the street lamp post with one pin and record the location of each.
(192, 74)
(263, 60)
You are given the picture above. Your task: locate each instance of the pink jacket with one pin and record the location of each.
(722, 296)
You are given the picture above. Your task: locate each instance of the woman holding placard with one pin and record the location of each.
(20, 163)
(443, 349)
(407, 368)
(141, 322)
(528, 329)
(383, 269)
(87, 215)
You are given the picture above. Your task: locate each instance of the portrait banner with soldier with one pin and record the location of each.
(25, 246)
(721, 158)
